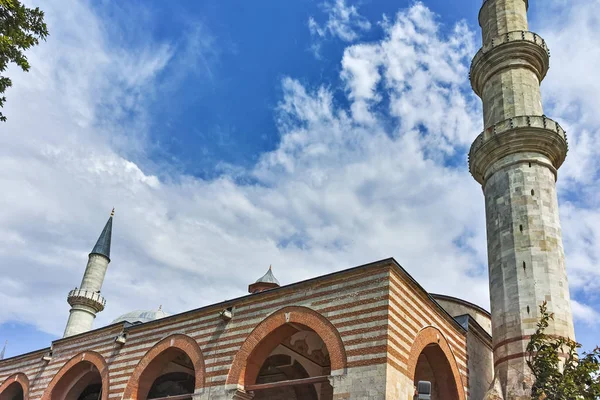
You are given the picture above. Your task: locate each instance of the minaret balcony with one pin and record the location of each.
(525, 134)
(514, 49)
(87, 298)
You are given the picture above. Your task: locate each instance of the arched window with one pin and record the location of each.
(295, 360)
(173, 367)
(170, 374)
(432, 360)
(84, 377)
(290, 355)
(15, 387)
(433, 367)
(12, 392)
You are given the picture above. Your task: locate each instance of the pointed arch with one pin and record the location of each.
(10, 382)
(269, 333)
(431, 340)
(147, 369)
(73, 371)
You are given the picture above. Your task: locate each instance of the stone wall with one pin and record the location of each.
(457, 307)
(481, 361)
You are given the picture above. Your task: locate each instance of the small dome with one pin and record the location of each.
(141, 316)
(268, 278)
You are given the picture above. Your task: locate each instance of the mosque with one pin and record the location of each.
(367, 332)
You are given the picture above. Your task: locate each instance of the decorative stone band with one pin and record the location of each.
(532, 134)
(521, 355)
(517, 49)
(86, 298)
(522, 338)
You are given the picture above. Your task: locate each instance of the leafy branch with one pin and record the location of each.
(20, 29)
(560, 374)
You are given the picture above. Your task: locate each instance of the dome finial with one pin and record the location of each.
(112, 213)
(265, 282)
(160, 308)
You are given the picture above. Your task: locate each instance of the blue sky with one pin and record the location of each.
(310, 135)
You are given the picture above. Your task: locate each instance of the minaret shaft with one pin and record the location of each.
(500, 17)
(511, 93)
(94, 272)
(516, 160)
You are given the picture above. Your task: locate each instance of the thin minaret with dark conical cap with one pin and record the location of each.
(86, 301)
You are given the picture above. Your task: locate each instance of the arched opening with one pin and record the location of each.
(171, 373)
(15, 387)
(13, 392)
(173, 367)
(431, 359)
(433, 366)
(313, 345)
(296, 369)
(83, 377)
(82, 382)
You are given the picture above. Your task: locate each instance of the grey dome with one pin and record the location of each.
(141, 316)
(268, 278)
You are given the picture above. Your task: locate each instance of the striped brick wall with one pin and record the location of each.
(376, 310)
(410, 311)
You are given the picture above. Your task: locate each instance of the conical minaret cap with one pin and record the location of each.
(102, 246)
(268, 278)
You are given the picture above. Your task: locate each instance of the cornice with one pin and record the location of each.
(524, 134)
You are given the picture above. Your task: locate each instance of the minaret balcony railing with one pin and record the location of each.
(513, 49)
(525, 134)
(88, 298)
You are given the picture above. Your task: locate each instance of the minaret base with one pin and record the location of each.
(517, 389)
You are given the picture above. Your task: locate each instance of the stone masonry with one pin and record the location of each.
(516, 160)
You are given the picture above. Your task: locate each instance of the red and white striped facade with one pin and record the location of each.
(375, 320)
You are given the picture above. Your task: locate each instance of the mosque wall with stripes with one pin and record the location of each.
(378, 313)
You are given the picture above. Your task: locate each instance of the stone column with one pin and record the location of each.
(516, 160)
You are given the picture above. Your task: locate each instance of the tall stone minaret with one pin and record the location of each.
(86, 301)
(516, 160)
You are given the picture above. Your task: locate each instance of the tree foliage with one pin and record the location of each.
(560, 374)
(20, 29)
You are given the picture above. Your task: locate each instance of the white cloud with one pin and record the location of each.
(584, 313)
(571, 96)
(343, 187)
(334, 194)
(424, 75)
(344, 22)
